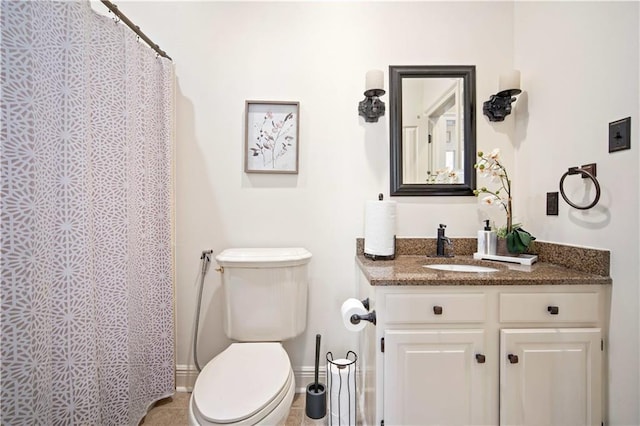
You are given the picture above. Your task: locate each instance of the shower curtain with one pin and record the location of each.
(87, 235)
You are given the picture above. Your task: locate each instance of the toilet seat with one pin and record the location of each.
(243, 384)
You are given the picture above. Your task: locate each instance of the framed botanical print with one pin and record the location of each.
(271, 137)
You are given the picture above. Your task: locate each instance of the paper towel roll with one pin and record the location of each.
(380, 228)
(342, 392)
(351, 307)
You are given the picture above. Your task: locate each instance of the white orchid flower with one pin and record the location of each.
(489, 200)
(496, 176)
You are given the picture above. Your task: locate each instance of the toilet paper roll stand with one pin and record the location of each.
(342, 396)
(381, 257)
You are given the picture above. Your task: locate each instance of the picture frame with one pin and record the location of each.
(271, 142)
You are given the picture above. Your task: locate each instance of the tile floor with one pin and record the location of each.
(174, 411)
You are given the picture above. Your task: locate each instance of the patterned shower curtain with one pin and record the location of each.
(87, 248)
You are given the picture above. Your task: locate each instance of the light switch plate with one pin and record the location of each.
(552, 204)
(620, 135)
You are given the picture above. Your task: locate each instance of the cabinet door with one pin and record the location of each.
(434, 377)
(550, 376)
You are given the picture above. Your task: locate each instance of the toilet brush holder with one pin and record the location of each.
(316, 405)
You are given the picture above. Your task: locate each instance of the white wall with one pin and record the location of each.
(579, 64)
(317, 54)
(579, 70)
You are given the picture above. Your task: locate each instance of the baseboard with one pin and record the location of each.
(186, 377)
(306, 375)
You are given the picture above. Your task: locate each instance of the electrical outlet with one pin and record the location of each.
(552, 204)
(620, 135)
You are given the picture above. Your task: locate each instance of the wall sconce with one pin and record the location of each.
(499, 105)
(371, 108)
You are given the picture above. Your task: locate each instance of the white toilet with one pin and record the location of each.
(251, 382)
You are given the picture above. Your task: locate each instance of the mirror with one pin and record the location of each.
(433, 130)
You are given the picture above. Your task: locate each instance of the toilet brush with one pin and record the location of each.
(316, 404)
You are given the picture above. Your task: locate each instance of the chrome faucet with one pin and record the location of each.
(442, 240)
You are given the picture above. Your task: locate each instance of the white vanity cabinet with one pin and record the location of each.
(483, 355)
(552, 374)
(433, 377)
(434, 358)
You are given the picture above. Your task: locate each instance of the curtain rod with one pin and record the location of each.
(114, 8)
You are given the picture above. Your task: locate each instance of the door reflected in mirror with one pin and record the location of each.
(432, 130)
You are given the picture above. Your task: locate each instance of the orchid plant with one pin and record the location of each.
(490, 166)
(442, 176)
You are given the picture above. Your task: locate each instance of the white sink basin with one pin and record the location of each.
(461, 268)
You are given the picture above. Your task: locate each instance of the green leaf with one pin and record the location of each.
(514, 245)
(519, 240)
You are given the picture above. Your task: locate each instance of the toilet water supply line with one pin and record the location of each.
(205, 263)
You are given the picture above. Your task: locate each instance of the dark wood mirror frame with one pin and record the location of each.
(468, 74)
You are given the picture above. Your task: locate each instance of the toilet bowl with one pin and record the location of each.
(251, 382)
(247, 384)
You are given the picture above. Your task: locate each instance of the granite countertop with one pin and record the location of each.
(571, 265)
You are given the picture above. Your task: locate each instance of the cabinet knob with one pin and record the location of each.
(437, 310)
(553, 310)
(480, 358)
(513, 359)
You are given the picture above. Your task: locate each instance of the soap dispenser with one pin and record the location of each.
(487, 240)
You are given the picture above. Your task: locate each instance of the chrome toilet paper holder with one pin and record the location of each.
(371, 316)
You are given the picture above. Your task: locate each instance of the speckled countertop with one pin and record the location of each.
(557, 264)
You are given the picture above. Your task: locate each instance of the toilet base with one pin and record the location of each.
(277, 416)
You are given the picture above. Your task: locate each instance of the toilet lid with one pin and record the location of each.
(240, 381)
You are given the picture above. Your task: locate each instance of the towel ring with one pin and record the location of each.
(584, 173)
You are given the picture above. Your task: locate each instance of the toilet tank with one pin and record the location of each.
(265, 292)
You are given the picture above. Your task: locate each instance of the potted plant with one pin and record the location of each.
(516, 239)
